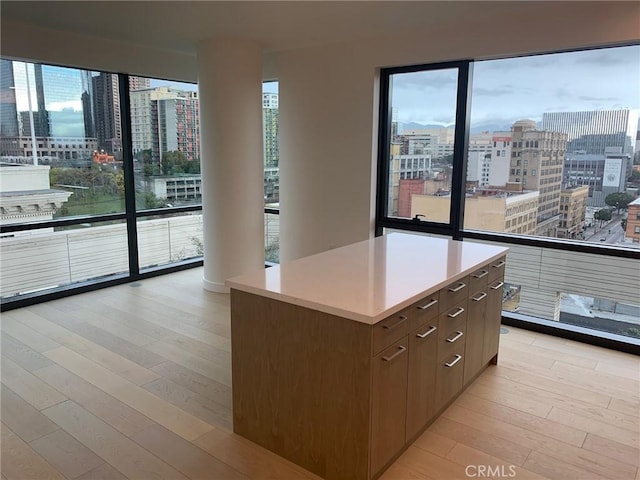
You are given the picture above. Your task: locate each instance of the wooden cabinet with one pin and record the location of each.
(493, 316)
(476, 332)
(343, 398)
(421, 376)
(389, 403)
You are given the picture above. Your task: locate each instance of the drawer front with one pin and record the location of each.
(392, 329)
(451, 318)
(496, 269)
(478, 279)
(453, 339)
(454, 293)
(426, 310)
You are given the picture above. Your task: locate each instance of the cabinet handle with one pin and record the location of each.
(400, 351)
(428, 305)
(479, 297)
(451, 364)
(459, 334)
(401, 318)
(483, 273)
(458, 288)
(500, 264)
(427, 333)
(496, 287)
(454, 315)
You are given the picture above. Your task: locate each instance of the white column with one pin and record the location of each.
(230, 90)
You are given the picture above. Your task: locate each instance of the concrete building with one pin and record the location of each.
(573, 207)
(632, 232)
(536, 163)
(478, 165)
(603, 174)
(26, 196)
(510, 213)
(500, 160)
(175, 189)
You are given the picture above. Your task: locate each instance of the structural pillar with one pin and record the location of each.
(232, 165)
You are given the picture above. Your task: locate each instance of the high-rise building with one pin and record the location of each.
(271, 147)
(592, 132)
(165, 119)
(536, 163)
(138, 83)
(106, 104)
(8, 112)
(57, 101)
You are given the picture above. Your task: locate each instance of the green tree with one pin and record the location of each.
(173, 162)
(150, 169)
(604, 215)
(619, 200)
(144, 156)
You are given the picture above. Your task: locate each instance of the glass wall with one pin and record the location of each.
(271, 135)
(61, 136)
(74, 191)
(423, 116)
(550, 157)
(165, 141)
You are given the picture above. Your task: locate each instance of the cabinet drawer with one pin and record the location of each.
(496, 269)
(426, 310)
(451, 317)
(478, 279)
(392, 329)
(454, 293)
(453, 339)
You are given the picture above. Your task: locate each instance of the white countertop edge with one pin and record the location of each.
(349, 314)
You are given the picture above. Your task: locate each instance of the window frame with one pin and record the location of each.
(455, 228)
(461, 137)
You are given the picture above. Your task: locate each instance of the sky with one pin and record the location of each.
(511, 89)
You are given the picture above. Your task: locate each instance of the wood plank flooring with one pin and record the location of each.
(134, 382)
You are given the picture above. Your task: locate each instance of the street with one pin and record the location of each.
(610, 233)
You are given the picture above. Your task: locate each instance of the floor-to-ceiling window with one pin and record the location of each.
(100, 179)
(271, 136)
(547, 145)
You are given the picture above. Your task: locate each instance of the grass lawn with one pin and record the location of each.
(92, 205)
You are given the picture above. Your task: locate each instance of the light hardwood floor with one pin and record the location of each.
(134, 382)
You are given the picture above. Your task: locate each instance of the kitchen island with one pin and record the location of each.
(340, 360)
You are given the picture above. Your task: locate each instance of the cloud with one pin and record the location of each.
(624, 56)
(425, 80)
(494, 92)
(588, 98)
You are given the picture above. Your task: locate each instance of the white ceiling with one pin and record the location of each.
(179, 25)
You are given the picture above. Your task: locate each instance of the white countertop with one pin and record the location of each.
(369, 280)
